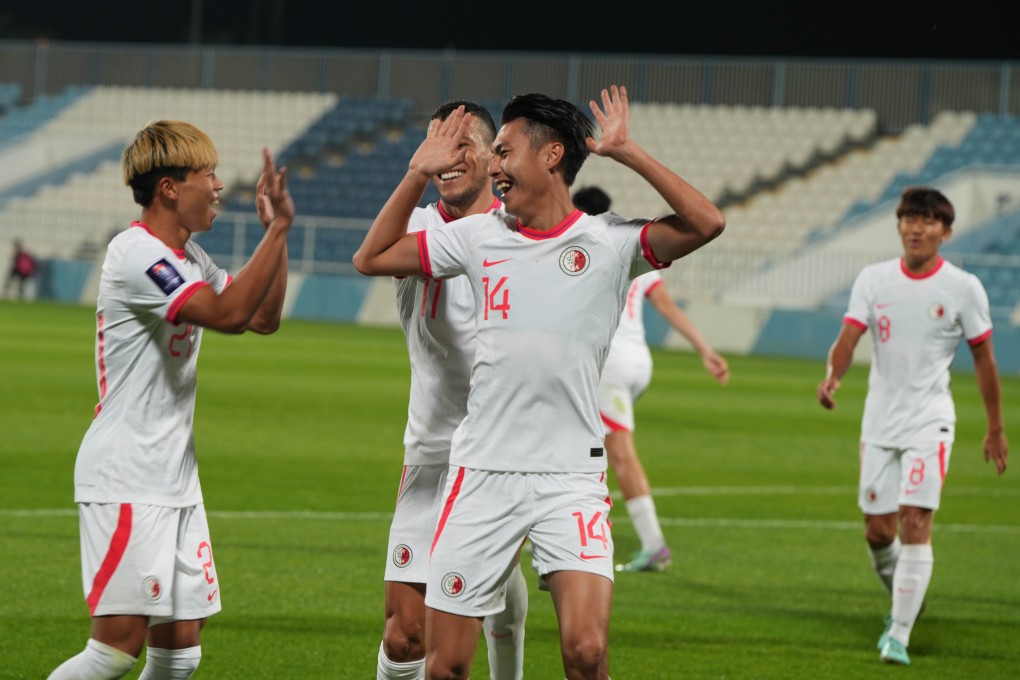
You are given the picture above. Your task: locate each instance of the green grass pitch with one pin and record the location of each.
(299, 442)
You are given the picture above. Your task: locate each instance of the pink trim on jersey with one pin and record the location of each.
(613, 425)
(454, 492)
(918, 277)
(435, 297)
(646, 250)
(655, 285)
(630, 300)
(942, 460)
(423, 254)
(403, 476)
(175, 306)
(143, 225)
(536, 235)
(102, 363)
(118, 544)
(230, 280)
(974, 342)
(447, 217)
(854, 322)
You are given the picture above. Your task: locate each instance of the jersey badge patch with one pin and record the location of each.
(402, 556)
(453, 584)
(165, 276)
(574, 261)
(936, 311)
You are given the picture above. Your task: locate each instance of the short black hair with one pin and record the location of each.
(926, 202)
(592, 200)
(476, 110)
(550, 119)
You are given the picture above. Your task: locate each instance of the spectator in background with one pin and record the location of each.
(625, 376)
(918, 308)
(23, 268)
(147, 562)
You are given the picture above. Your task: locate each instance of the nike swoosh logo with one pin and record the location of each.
(585, 556)
(883, 305)
(213, 594)
(486, 263)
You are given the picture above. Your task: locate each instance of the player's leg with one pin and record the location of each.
(583, 601)
(174, 648)
(883, 546)
(402, 651)
(110, 653)
(654, 555)
(450, 643)
(504, 632)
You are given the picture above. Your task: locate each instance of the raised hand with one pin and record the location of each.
(614, 119)
(442, 148)
(272, 198)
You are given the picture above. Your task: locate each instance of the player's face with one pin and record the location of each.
(922, 236)
(462, 185)
(517, 168)
(196, 196)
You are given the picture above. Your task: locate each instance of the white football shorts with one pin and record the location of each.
(147, 560)
(623, 381)
(891, 477)
(485, 518)
(414, 522)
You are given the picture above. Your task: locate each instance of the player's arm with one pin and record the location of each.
(840, 355)
(695, 220)
(987, 374)
(388, 250)
(270, 312)
(664, 305)
(233, 310)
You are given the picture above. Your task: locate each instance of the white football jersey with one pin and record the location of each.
(916, 324)
(140, 446)
(438, 319)
(629, 343)
(547, 305)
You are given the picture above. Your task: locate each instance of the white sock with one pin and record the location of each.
(170, 664)
(883, 561)
(504, 632)
(98, 661)
(646, 523)
(391, 670)
(910, 583)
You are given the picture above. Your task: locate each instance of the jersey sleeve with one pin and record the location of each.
(630, 237)
(858, 311)
(445, 249)
(975, 316)
(215, 276)
(155, 282)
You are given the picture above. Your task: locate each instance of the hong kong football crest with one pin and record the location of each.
(151, 588)
(453, 584)
(402, 556)
(936, 311)
(871, 495)
(574, 261)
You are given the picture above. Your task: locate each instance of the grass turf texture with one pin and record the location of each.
(299, 440)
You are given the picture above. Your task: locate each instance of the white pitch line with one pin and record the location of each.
(851, 491)
(720, 522)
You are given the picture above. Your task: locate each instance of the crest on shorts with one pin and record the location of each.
(871, 495)
(453, 584)
(402, 555)
(151, 588)
(936, 311)
(574, 261)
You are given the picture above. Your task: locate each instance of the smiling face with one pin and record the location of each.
(922, 235)
(196, 196)
(521, 171)
(466, 183)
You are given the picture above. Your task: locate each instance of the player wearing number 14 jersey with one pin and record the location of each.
(918, 308)
(549, 284)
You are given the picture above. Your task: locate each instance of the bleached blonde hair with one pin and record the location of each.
(161, 148)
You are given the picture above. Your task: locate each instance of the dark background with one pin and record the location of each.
(902, 29)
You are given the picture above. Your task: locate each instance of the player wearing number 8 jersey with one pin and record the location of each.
(918, 309)
(549, 285)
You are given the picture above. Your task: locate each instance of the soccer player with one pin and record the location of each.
(625, 377)
(439, 324)
(147, 561)
(918, 307)
(549, 285)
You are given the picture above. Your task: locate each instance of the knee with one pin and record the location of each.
(586, 655)
(443, 669)
(403, 640)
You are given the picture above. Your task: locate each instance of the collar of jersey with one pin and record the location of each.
(447, 217)
(918, 277)
(181, 255)
(552, 233)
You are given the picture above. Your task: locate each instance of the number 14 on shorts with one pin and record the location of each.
(592, 532)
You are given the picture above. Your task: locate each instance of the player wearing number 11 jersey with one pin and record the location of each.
(918, 309)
